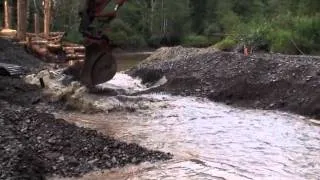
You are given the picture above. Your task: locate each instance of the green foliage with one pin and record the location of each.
(226, 44)
(196, 41)
(282, 34)
(281, 42)
(155, 41)
(254, 35)
(121, 34)
(197, 15)
(286, 26)
(307, 34)
(73, 36)
(136, 41)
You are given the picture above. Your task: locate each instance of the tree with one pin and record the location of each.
(22, 19)
(7, 15)
(198, 15)
(47, 17)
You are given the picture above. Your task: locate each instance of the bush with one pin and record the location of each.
(155, 41)
(281, 42)
(254, 35)
(282, 34)
(307, 34)
(196, 41)
(226, 44)
(136, 41)
(212, 29)
(119, 38)
(171, 39)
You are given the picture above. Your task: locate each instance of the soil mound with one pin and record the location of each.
(268, 81)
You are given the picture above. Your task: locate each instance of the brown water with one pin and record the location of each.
(212, 141)
(128, 60)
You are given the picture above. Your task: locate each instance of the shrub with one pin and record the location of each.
(307, 34)
(196, 41)
(226, 44)
(254, 35)
(136, 41)
(281, 42)
(155, 41)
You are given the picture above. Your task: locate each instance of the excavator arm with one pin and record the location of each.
(99, 65)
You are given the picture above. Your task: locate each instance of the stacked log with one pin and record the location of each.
(52, 49)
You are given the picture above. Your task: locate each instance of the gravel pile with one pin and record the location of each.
(15, 54)
(289, 83)
(35, 145)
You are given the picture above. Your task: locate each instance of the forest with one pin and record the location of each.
(286, 26)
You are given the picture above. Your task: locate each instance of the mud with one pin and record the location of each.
(266, 81)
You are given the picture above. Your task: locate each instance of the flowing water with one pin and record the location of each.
(208, 140)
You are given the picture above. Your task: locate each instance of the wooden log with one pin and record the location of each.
(75, 48)
(44, 54)
(39, 42)
(75, 56)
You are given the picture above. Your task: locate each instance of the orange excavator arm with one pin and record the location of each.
(99, 65)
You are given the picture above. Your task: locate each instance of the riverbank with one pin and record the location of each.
(264, 81)
(36, 145)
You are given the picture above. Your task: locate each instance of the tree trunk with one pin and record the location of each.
(47, 17)
(22, 19)
(7, 14)
(36, 24)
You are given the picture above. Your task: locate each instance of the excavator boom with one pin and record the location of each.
(99, 65)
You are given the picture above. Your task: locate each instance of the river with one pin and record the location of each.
(209, 140)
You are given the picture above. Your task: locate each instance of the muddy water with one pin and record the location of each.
(211, 141)
(128, 60)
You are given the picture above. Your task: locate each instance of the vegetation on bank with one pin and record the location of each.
(286, 26)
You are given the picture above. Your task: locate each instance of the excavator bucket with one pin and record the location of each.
(99, 65)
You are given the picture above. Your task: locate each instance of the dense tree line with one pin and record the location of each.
(286, 26)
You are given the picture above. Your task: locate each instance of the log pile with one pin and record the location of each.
(52, 49)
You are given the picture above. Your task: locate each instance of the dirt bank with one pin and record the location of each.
(289, 83)
(35, 145)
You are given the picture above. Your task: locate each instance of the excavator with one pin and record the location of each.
(99, 66)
